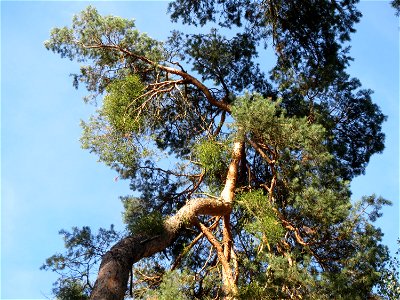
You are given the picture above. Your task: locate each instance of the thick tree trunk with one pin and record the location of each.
(112, 279)
(114, 270)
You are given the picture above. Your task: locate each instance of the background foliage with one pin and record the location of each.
(310, 128)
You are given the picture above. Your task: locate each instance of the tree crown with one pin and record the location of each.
(262, 163)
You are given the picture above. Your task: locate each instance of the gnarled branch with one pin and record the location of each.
(116, 264)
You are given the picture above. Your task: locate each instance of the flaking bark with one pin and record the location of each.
(114, 270)
(112, 279)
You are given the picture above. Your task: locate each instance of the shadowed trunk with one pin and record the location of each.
(112, 279)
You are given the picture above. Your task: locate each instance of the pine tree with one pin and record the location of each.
(243, 177)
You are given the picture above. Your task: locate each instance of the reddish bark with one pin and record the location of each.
(114, 270)
(112, 279)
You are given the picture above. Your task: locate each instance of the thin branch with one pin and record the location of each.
(221, 123)
(169, 172)
(185, 251)
(260, 151)
(190, 246)
(222, 105)
(222, 258)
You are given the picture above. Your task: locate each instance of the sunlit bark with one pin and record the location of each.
(112, 279)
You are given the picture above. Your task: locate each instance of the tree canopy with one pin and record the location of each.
(243, 172)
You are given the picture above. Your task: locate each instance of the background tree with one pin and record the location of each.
(243, 177)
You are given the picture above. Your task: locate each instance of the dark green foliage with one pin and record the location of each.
(389, 286)
(226, 61)
(308, 129)
(76, 266)
(306, 35)
(308, 39)
(396, 6)
(353, 124)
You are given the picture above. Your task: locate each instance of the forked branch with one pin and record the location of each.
(112, 280)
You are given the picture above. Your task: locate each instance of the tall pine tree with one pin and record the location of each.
(243, 175)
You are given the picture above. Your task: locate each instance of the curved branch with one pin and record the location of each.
(220, 104)
(113, 275)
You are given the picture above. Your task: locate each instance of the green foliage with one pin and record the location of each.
(307, 37)
(114, 148)
(71, 290)
(148, 224)
(121, 102)
(174, 285)
(90, 28)
(223, 54)
(213, 156)
(389, 286)
(363, 254)
(84, 251)
(263, 221)
(266, 120)
(83, 41)
(309, 129)
(139, 220)
(327, 205)
(280, 280)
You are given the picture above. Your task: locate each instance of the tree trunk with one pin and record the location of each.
(116, 264)
(229, 285)
(112, 279)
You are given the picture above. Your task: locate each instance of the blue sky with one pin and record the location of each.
(48, 182)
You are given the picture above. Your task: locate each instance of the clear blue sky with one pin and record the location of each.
(48, 182)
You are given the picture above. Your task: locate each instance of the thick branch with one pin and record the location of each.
(260, 151)
(227, 194)
(227, 237)
(114, 270)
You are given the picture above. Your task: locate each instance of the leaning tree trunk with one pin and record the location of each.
(112, 279)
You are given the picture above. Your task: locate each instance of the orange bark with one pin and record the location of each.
(112, 279)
